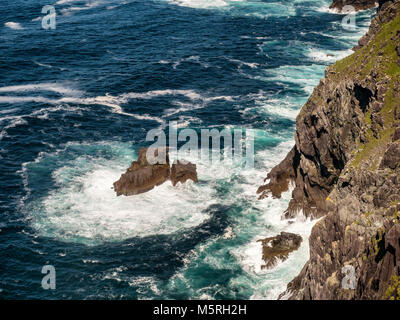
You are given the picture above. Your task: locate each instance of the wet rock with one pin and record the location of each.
(279, 247)
(181, 171)
(280, 178)
(150, 170)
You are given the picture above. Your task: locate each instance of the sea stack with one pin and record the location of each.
(151, 169)
(181, 171)
(143, 175)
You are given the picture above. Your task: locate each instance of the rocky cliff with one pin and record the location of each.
(345, 167)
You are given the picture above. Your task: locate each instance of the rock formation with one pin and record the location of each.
(142, 176)
(345, 167)
(182, 171)
(278, 248)
(152, 169)
(357, 4)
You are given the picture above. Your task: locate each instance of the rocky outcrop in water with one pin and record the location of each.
(142, 176)
(345, 167)
(357, 4)
(278, 248)
(181, 171)
(145, 174)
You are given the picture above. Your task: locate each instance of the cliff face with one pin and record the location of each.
(345, 166)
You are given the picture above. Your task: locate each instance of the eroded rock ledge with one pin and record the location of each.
(345, 167)
(145, 174)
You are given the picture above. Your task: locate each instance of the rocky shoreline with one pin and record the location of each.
(345, 167)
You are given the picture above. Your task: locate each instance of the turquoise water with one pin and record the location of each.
(76, 104)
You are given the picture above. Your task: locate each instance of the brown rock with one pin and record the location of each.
(391, 158)
(357, 4)
(145, 173)
(280, 177)
(278, 248)
(181, 171)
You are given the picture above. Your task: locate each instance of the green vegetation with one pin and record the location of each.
(381, 50)
(393, 290)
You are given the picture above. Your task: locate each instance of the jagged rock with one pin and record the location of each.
(181, 171)
(152, 169)
(357, 4)
(391, 158)
(325, 137)
(280, 177)
(278, 248)
(144, 174)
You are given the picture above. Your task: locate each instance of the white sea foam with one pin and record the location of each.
(281, 106)
(193, 59)
(199, 4)
(304, 76)
(328, 56)
(84, 207)
(257, 220)
(16, 122)
(54, 87)
(88, 5)
(13, 25)
(243, 63)
(71, 96)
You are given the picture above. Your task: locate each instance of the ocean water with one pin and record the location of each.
(76, 104)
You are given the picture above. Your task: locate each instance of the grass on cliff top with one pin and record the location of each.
(381, 48)
(381, 57)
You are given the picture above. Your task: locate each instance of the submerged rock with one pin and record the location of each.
(152, 169)
(278, 248)
(181, 171)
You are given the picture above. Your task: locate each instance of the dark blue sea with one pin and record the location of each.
(76, 103)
